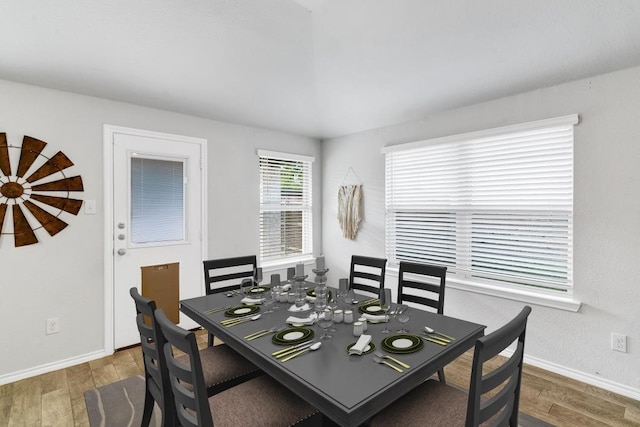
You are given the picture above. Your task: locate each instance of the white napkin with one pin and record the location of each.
(295, 308)
(286, 287)
(310, 320)
(360, 345)
(376, 317)
(310, 298)
(252, 300)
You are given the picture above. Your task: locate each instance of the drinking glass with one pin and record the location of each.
(275, 290)
(343, 290)
(403, 318)
(325, 320)
(269, 302)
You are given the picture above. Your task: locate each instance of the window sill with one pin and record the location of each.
(564, 302)
(286, 263)
(560, 302)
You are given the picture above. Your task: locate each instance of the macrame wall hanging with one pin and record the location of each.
(44, 192)
(350, 207)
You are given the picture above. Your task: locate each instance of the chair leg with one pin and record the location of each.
(210, 340)
(441, 376)
(148, 409)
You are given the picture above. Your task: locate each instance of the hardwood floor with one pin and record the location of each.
(57, 398)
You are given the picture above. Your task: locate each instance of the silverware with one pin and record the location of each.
(312, 347)
(215, 310)
(282, 352)
(386, 356)
(384, 362)
(433, 340)
(262, 333)
(242, 320)
(433, 331)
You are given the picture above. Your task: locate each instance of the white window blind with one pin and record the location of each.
(286, 224)
(495, 207)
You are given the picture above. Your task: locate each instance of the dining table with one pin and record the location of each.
(347, 389)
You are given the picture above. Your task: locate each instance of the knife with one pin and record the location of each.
(287, 350)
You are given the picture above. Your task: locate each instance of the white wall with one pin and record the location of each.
(606, 212)
(62, 276)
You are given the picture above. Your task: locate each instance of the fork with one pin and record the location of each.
(386, 356)
(382, 362)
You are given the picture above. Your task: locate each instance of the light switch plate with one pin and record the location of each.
(90, 207)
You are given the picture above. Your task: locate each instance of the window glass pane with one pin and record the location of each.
(285, 208)
(495, 208)
(157, 200)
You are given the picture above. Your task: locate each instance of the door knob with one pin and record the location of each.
(122, 251)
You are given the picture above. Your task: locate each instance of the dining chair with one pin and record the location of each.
(429, 282)
(261, 401)
(367, 274)
(494, 393)
(222, 366)
(226, 274)
(156, 375)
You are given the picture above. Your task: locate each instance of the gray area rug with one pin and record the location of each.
(119, 404)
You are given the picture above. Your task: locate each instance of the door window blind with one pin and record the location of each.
(494, 207)
(286, 225)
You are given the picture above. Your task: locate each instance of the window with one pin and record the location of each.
(286, 223)
(495, 207)
(157, 200)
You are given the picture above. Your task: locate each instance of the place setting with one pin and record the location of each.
(240, 314)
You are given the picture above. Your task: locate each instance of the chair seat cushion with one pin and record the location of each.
(220, 364)
(259, 402)
(431, 403)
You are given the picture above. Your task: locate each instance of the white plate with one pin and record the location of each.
(373, 308)
(402, 343)
(291, 336)
(242, 310)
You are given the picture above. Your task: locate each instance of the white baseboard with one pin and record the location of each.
(590, 379)
(50, 367)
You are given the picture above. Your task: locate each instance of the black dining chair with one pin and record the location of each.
(222, 366)
(423, 284)
(493, 397)
(261, 401)
(156, 375)
(226, 274)
(367, 274)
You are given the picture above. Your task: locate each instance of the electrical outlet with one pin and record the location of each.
(618, 342)
(53, 325)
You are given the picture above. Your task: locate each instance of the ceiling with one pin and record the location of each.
(321, 68)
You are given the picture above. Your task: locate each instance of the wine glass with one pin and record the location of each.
(386, 307)
(403, 318)
(325, 320)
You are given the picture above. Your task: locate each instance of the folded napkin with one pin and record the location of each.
(360, 345)
(376, 317)
(295, 308)
(286, 287)
(310, 320)
(252, 300)
(310, 298)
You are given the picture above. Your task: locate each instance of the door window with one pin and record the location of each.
(157, 200)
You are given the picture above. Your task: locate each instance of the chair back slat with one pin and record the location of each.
(367, 274)
(187, 382)
(503, 399)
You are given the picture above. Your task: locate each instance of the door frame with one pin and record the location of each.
(109, 132)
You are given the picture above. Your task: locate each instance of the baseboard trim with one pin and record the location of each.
(50, 367)
(593, 380)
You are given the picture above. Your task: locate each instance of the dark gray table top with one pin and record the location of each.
(347, 389)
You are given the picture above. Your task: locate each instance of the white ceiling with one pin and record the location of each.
(321, 68)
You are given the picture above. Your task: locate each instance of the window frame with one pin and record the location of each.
(306, 207)
(562, 299)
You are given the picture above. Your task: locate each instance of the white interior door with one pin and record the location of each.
(157, 219)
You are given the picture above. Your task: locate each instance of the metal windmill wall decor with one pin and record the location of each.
(44, 192)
